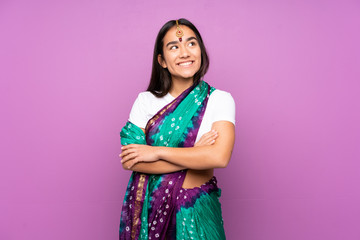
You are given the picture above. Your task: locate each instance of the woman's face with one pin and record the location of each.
(182, 59)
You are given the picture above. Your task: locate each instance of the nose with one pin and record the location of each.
(184, 53)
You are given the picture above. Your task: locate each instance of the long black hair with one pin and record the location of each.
(160, 82)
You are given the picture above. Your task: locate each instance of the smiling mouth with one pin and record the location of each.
(185, 64)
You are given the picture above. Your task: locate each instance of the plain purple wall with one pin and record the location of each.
(70, 71)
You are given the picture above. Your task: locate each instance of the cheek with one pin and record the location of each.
(169, 59)
(197, 53)
(198, 56)
(199, 64)
(166, 54)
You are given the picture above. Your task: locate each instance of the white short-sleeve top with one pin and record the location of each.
(220, 107)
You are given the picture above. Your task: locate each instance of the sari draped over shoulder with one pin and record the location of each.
(155, 205)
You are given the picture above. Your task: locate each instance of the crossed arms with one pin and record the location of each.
(212, 151)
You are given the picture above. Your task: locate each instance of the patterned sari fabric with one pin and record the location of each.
(155, 205)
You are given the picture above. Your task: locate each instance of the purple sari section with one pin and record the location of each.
(196, 121)
(129, 207)
(187, 197)
(163, 205)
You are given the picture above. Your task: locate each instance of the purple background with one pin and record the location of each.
(70, 71)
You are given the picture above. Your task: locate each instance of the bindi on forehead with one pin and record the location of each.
(171, 36)
(175, 42)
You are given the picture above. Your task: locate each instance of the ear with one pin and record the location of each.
(162, 61)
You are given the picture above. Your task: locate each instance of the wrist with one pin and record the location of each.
(159, 152)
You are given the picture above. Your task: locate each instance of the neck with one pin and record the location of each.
(180, 85)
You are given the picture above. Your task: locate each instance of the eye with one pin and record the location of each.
(173, 47)
(192, 43)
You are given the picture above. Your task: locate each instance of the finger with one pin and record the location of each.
(211, 141)
(123, 148)
(126, 152)
(211, 137)
(129, 157)
(130, 166)
(210, 134)
(214, 131)
(126, 147)
(133, 162)
(204, 139)
(214, 136)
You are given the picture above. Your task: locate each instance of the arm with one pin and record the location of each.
(157, 167)
(162, 166)
(216, 155)
(204, 157)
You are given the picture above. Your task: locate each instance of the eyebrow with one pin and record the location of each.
(175, 42)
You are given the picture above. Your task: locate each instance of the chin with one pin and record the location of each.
(188, 75)
(187, 78)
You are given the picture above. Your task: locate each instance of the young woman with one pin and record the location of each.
(178, 131)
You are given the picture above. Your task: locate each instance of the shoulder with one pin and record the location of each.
(221, 96)
(139, 110)
(145, 106)
(145, 96)
(221, 106)
(148, 96)
(147, 99)
(221, 92)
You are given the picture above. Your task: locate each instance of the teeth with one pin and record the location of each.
(185, 64)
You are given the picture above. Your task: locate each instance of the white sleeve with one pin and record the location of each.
(138, 114)
(222, 106)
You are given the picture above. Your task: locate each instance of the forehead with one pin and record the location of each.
(171, 34)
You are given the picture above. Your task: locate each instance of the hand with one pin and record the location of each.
(207, 139)
(134, 153)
